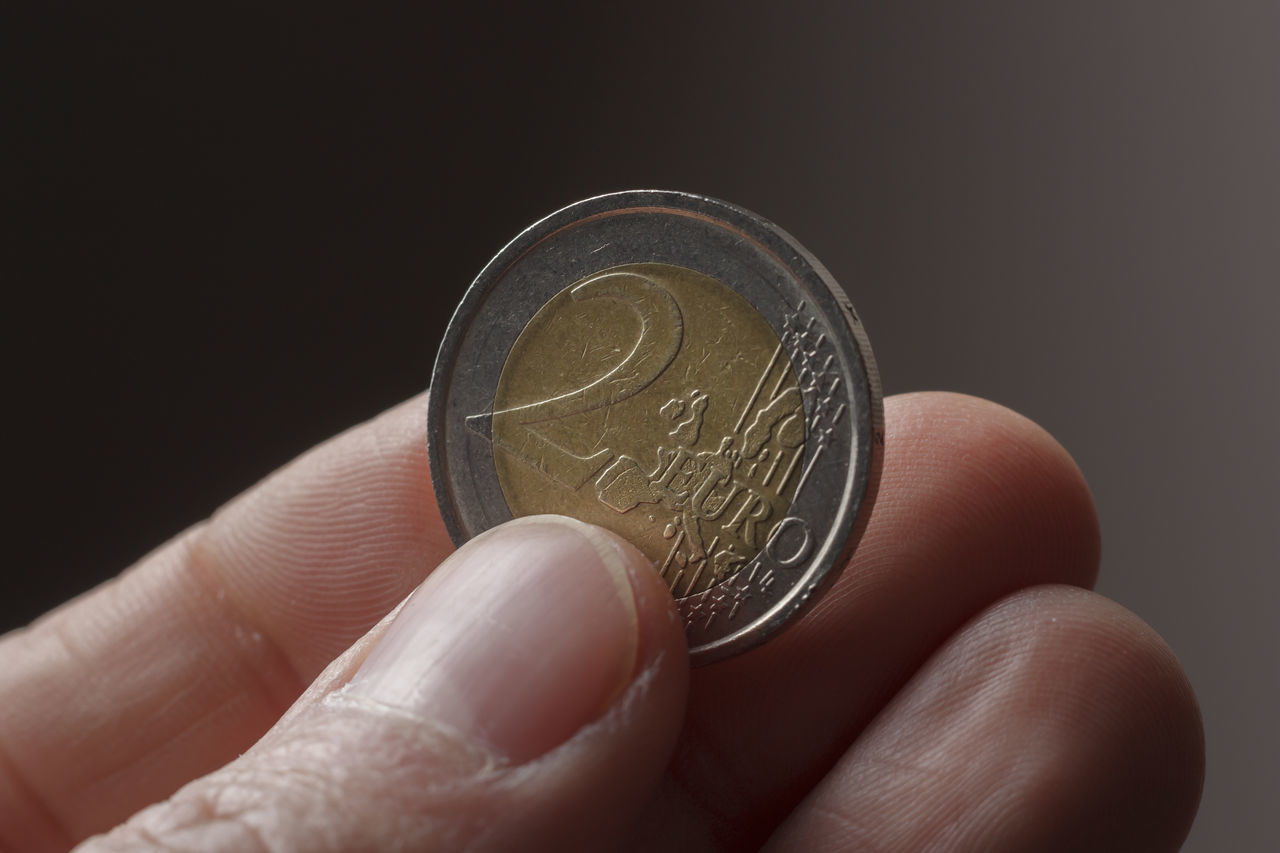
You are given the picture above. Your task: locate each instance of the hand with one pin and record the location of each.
(958, 689)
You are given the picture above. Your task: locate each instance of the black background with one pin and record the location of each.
(237, 228)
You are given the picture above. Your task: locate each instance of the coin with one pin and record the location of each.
(678, 370)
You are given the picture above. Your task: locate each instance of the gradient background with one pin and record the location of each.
(241, 229)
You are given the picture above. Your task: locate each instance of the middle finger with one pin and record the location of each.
(975, 502)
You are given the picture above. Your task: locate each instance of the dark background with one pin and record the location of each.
(238, 228)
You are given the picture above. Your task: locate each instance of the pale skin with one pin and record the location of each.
(254, 685)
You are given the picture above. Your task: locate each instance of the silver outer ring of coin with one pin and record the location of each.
(794, 293)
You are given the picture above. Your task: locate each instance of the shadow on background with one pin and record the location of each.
(242, 230)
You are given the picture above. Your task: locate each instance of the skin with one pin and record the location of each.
(258, 683)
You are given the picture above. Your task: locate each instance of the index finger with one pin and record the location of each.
(116, 699)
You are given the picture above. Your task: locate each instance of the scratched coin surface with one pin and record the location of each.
(680, 371)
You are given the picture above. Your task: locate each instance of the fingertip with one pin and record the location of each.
(997, 468)
(1054, 720)
(1128, 715)
(1111, 743)
(531, 688)
(660, 631)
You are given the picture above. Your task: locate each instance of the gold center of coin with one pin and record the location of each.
(655, 401)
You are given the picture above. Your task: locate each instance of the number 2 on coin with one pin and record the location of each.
(661, 332)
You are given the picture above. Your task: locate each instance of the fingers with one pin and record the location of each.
(975, 502)
(531, 689)
(1055, 721)
(118, 698)
(121, 697)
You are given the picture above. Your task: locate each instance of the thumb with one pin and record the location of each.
(527, 695)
